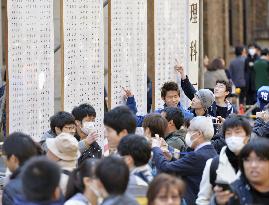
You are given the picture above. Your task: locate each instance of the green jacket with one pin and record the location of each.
(261, 68)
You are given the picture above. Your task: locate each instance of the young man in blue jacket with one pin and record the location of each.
(191, 166)
(170, 94)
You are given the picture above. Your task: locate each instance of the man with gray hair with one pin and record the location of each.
(190, 167)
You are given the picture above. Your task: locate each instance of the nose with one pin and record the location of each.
(170, 201)
(253, 163)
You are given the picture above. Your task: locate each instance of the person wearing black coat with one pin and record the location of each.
(250, 75)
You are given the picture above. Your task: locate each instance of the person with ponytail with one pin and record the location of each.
(81, 189)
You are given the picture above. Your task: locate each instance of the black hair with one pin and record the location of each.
(60, 119)
(121, 118)
(137, 147)
(21, 146)
(83, 111)
(156, 124)
(239, 50)
(265, 52)
(233, 121)
(169, 86)
(75, 182)
(259, 146)
(40, 178)
(227, 85)
(175, 114)
(114, 175)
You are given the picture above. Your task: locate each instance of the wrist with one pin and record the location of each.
(86, 143)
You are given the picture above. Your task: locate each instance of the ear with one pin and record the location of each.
(86, 181)
(129, 161)
(58, 130)
(123, 133)
(227, 93)
(171, 123)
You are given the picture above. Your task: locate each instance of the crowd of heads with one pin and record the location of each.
(170, 163)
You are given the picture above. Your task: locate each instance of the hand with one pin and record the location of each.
(206, 61)
(156, 141)
(222, 197)
(91, 138)
(260, 115)
(220, 120)
(127, 93)
(164, 145)
(179, 68)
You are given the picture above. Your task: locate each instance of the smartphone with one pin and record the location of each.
(224, 186)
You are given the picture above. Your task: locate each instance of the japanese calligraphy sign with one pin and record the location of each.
(30, 66)
(176, 25)
(84, 57)
(193, 40)
(129, 52)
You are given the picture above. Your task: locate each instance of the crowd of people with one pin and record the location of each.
(206, 154)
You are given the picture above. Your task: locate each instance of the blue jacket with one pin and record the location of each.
(131, 103)
(190, 168)
(13, 188)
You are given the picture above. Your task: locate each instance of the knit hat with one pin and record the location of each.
(263, 97)
(64, 146)
(206, 97)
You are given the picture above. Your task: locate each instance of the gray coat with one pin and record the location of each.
(237, 71)
(177, 140)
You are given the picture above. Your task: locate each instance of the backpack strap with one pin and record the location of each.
(142, 176)
(66, 172)
(213, 170)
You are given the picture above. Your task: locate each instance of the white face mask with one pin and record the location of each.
(188, 139)
(235, 144)
(251, 51)
(87, 127)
